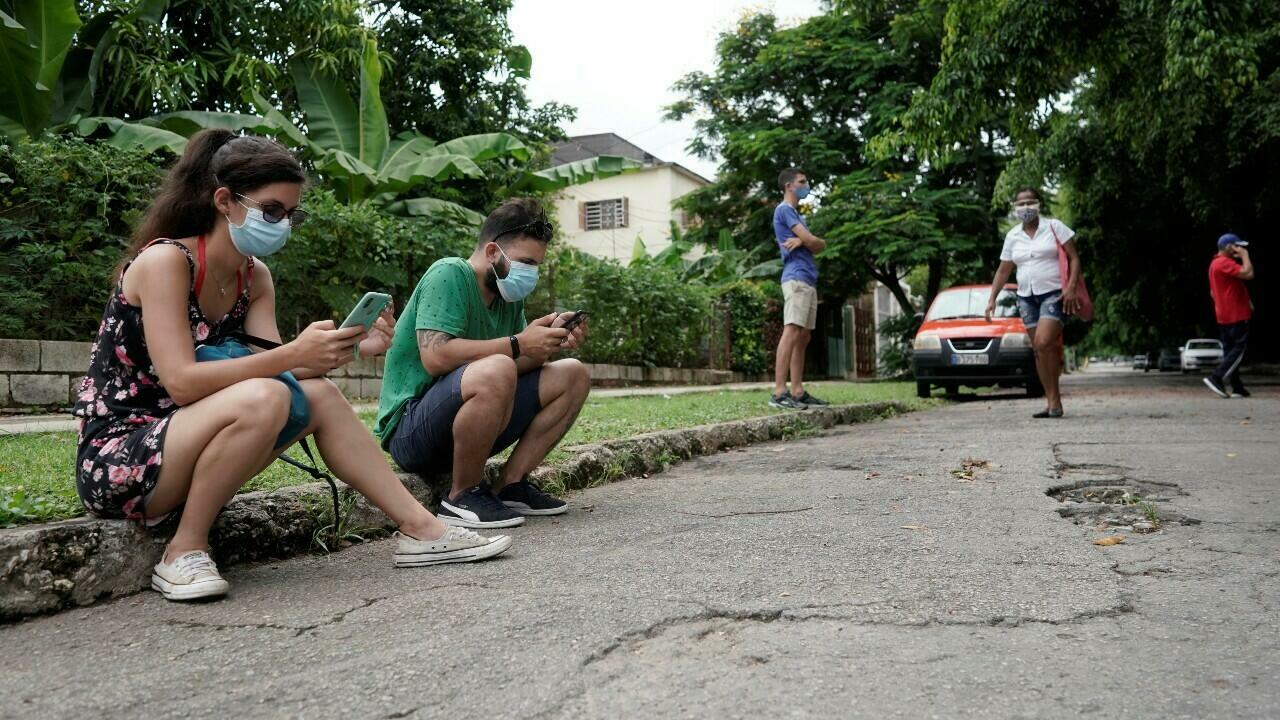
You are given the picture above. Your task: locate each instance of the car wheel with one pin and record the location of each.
(952, 389)
(922, 389)
(1035, 389)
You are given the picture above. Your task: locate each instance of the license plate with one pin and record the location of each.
(970, 359)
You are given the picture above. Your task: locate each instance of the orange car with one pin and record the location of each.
(956, 346)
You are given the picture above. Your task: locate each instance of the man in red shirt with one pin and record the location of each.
(1232, 307)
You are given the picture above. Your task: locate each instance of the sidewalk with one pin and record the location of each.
(20, 424)
(863, 572)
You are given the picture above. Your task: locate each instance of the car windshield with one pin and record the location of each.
(971, 303)
(1203, 345)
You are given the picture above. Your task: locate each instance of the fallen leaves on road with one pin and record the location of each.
(871, 475)
(969, 468)
(915, 527)
(1109, 540)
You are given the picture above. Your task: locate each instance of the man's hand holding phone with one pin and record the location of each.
(540, 340)
(576, 323)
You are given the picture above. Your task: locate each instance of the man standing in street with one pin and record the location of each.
(799, 291)
(1227, 273)
(466, 376)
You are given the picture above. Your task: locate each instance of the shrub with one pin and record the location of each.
(641, 314)
(747, 306)
(66, 210)
(344, 251)
(896, 334)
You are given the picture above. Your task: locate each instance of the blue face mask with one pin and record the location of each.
(802, 192)
(255, 236)
(520, 280)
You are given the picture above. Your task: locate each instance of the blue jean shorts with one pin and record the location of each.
(1044, 305)
(423, 439)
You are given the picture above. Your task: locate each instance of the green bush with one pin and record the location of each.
(66, 210)
(746, 304)
(641, 314)
(897, 334)
(344, 251)
(68, 205)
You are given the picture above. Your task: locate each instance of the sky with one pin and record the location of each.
(616, 60)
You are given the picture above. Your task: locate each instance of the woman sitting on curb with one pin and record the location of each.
(161, 432)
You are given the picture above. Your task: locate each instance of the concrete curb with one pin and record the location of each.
(51, 566)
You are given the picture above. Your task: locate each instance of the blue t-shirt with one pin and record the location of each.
(797, 264)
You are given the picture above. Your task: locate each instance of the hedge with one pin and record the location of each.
(67, 206)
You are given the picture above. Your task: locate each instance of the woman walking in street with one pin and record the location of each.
(1044, 296)
(162, 433)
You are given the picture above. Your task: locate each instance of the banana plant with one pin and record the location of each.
(349, 143)
(33, 47)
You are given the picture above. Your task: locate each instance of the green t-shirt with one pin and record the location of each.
(447, 299)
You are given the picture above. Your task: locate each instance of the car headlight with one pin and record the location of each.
(1015, 340)
(928, 341)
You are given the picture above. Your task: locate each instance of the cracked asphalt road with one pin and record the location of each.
(889, 587)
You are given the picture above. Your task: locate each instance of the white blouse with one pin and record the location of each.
(1036, 257)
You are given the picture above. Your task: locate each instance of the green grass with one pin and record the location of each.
(37, 480)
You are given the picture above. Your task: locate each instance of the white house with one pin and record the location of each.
(604, 217)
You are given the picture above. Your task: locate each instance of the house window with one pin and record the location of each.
(603, 214)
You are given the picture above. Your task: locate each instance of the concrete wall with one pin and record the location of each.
(649, 194)
(43, 374)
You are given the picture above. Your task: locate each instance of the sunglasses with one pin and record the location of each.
(540, 229)
(273, 212)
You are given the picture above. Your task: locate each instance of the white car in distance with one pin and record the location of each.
(1201, 354)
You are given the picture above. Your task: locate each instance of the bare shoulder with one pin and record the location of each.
(162, 264)
(261, 282)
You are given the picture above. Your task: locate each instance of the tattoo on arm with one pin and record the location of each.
(432, 339)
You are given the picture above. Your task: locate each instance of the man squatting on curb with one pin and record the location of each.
(466, 376)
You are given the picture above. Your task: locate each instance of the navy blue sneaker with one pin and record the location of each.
(810, 401)
(478, 507)
(528, 499)
(785, 401)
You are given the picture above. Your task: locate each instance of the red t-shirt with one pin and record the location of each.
(1230, 296)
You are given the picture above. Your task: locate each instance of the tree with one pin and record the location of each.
(1158, 123)
(814, 96)
(455, 71)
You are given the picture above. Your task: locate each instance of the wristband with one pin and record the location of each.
(515, 347)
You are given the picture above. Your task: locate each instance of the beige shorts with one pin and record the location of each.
(799, 304)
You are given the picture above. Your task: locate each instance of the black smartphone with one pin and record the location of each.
(575, 320)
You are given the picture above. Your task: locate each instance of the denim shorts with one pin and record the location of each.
(423, 439)
(1034, 307)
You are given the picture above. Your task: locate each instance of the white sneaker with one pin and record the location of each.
(189, 577)
(457, 545)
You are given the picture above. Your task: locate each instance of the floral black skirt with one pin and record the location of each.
(118, 464)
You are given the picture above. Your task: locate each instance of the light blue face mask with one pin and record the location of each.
(255, 236)
(802, 192)
(520, 279)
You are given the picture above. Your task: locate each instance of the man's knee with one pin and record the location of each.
(491, 377)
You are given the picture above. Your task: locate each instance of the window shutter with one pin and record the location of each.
(626, 213)
(582, 215)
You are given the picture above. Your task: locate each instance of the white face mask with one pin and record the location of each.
(1027, 213)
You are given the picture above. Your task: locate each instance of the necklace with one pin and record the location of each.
(222, 289)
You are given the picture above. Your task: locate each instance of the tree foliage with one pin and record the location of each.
(1158, 123)
(456, 71)
(815, 96)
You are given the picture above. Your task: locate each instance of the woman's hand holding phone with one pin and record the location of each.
(322, 346)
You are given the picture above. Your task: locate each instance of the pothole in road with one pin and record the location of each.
(1105, 497)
